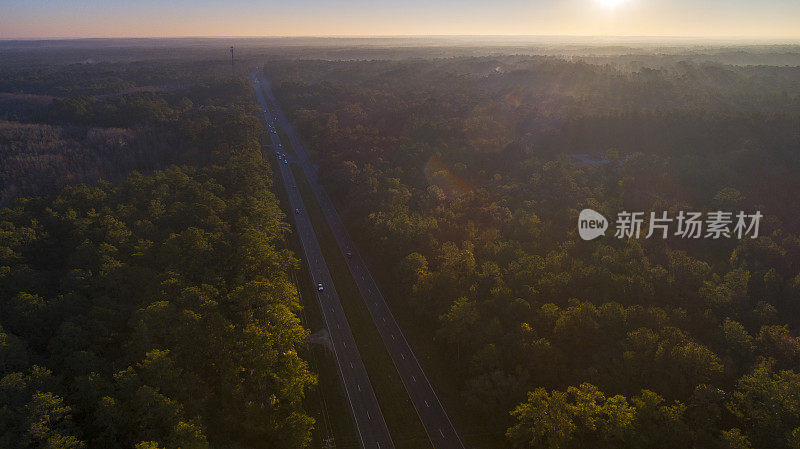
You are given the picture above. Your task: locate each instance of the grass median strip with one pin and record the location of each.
(401, 417)
(327, 403)
(420, 335)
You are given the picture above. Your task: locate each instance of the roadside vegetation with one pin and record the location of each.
(401, 418)
(327, 402)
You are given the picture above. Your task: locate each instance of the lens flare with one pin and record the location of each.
(439, 174)
(513, 99)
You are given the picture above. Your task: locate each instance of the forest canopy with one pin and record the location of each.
(146, 298)
(463, 177)
(157, 310)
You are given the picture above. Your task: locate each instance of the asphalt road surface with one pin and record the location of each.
(437, 424)
(371, 427)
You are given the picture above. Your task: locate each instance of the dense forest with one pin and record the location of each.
(157, 310)
(463, 178)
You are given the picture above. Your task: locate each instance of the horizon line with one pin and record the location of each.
(796, 39)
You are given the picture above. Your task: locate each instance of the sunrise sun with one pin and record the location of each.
(610, 4)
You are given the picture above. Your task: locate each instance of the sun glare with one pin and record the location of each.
(610, 4)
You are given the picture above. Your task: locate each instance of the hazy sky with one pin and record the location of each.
(154, 18)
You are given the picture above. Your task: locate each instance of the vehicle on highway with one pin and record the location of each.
(349, 254)
(319, 287)
(297, 211)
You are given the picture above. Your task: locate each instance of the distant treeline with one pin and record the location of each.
(85, 138)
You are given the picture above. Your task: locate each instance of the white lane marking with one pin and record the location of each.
(392, 336)
(369, 417)
(344, 343)
(441, 433)
(413, 378)
(359, 387)
(351, 365)
(384, 319)
(426, 404)
(403, 356)
(337, 326)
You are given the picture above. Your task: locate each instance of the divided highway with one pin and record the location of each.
(371, 427)
(434, 418)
